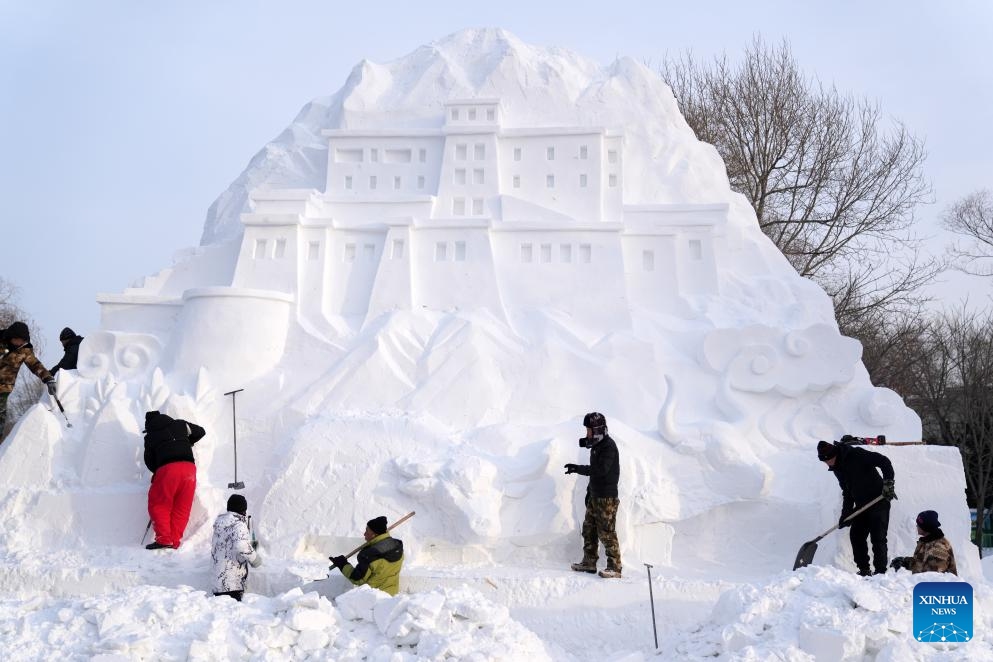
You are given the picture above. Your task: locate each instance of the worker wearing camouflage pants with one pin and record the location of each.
(599, 525)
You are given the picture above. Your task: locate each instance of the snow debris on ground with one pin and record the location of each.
(822, 613)
(156, 623)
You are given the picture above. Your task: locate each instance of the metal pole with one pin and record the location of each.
(236, 485)
(651, 597)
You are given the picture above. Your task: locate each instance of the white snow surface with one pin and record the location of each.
(467, 418)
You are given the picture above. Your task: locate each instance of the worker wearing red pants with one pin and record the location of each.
(169, 456)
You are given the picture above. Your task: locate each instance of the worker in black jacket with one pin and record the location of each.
(70, 344)
(169, 456)
(600, 523)
(858, 474)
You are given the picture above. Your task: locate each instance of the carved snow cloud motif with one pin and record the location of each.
(759, 359)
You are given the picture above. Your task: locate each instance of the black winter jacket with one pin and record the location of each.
(604, 469)
(71, 355)
(169, 440)
(855, 469)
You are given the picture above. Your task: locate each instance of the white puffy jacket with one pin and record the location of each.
(232, 552)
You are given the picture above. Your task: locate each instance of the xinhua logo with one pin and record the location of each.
(943, 612)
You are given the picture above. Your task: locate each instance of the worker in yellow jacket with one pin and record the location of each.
(379, 561)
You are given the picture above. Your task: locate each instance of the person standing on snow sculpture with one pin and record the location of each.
(70, 344)
(860, 482)
(16, 349)
(600, 522)
(169, 456)
(233, 549)
(933, 552)
(379, 561)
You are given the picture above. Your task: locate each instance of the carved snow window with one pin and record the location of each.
(314, 250)
(260, 247)
(374, 155)
(349, 252)
(422, 155)
(479, 152)
(472, 114)
(648, 260)
(455, 114)
(458, 206)
(582, 181)
(440, 251)
(461, 150)
(490, 114)
(477, 206)
(478, 175)
(612, 181)
(397, 253)
(372, 182)
(396, 183)
(550, 181)
(585, 253)
(550, 153)
(460, 251)
(517, 153)
(546, 253)
(460, 175)
(612, 156)
(348, 181)
(420, 181)
(565, 253)
(517, 181)
(280, 250)
(526, 253)
(584, 152)
(696, 249)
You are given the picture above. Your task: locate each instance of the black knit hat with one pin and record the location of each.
(66, 334)
(18, 330)
(377, 525)
(928, 521)
(825, 451)
(237, 504)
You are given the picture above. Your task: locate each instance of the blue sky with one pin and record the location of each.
(122, 121)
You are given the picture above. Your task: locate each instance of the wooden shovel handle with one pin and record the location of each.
(390, 528)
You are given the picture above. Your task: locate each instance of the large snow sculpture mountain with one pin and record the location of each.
(423, 284)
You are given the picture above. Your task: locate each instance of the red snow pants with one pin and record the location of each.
(170, 499)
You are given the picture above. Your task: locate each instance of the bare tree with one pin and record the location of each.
(955, 397)
(972, 217)
(830, 185)
(26, 391)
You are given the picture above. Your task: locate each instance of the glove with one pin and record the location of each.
(571, 468)
(52, 387)
(338, 561)
(889, 490)
(255, 560)
(255, 544)
(841, 521)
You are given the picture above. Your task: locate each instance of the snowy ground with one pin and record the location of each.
(487, 612)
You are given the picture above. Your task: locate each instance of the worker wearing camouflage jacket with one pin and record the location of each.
(933, 552)
(16, 350)
(233, 549)
(379, 561)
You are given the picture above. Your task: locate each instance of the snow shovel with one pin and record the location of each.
(806, 553)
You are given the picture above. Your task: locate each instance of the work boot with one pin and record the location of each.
(584, 566)
(157, 545)
(610, 573)
(864, 572)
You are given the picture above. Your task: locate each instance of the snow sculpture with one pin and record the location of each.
(425, 282)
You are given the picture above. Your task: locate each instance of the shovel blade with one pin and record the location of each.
(805, 555)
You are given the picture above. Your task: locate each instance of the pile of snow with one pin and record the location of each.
(182, 623)
(825, 614)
